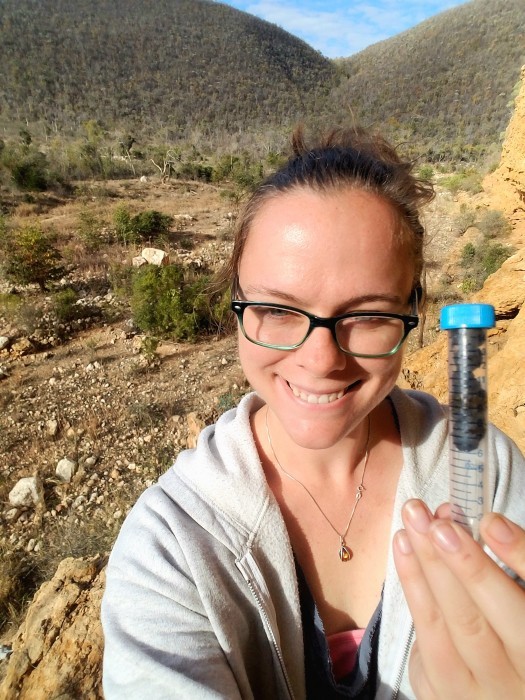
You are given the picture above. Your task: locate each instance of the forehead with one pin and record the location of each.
(303, 237)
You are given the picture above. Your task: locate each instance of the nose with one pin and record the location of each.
(320, 354)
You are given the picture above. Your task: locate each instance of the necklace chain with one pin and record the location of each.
(345, 554)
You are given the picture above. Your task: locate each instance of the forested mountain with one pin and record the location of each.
(447, 82)
(184, 63)
(168, 69)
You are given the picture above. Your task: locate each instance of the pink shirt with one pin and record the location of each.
(343, 651)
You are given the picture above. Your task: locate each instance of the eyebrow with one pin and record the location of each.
(296, 301)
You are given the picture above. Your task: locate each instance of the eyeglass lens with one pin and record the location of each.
(367, 335)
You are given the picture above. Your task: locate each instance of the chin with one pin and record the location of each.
(315, 435)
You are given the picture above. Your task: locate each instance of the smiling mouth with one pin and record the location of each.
(321, 398)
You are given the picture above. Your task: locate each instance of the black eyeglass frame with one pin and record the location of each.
(410, 321)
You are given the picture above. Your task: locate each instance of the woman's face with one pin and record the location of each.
(326, 253)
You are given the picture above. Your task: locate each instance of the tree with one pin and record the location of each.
(31, 258)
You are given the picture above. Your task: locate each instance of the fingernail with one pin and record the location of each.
(499, 530)
(444, 535)
(418, 515)
(403, 542)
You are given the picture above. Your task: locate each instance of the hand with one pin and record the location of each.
(469, 615)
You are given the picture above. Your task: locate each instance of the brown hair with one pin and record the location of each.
(353, 158)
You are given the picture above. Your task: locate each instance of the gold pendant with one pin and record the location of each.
(345, 553)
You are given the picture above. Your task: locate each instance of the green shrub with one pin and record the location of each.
(468, 255)
(239, 169)
(89, 228)
(470, 285)
(472, 182)
(120, 278)
(493, 224)
(468, 181)
(31, 257)
(426, 172)
(170, 302)
(480, 262)
(144, 225)
(9, 305)
(452, 183)
(31, 173)
(493, 255)
(195, 171)
(123, 229)
(150, 223)
(64, 305)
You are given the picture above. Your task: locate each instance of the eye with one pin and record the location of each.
(279, 313)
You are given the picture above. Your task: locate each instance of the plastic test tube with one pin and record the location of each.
(467, 326)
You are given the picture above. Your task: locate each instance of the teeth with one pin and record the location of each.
(315, 398)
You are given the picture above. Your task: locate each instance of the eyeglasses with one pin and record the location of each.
(359, 333)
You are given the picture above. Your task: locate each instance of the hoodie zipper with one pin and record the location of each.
(404, 662)
(267, 624)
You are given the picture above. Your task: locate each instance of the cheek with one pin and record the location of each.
(386, 370)
(254, 358)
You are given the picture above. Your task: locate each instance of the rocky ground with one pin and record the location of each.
(92, 397)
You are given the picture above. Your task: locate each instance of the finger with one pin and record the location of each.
(506, 539)
(469, 631)
(444, 512)
(417, 675)
(435, 655)
(499, 599)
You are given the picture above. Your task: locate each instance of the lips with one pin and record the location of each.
(318, 398)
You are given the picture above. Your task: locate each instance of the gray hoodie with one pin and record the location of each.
(202, 598)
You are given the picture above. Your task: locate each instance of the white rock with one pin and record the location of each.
(52, 427)
(139, 261)
(65, 469)
(155, 256)
(90, 461)
(77, 503)
(26, 492)
(4, 342)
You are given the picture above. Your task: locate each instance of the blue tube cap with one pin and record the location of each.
(467, 316)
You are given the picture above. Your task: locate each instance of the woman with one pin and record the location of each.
(261, 565)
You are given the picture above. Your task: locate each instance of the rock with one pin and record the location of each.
(57, 651)
(4, 342)
(195, 426)
(139, 261)
(52, 427)
(65, 469)
(21, 347)
(5, 651)
(27, 491)
(155, 256)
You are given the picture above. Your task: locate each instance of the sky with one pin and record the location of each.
(339, 28)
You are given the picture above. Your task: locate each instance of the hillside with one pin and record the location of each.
(193, 69)
(183, 64)
(445, 84)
